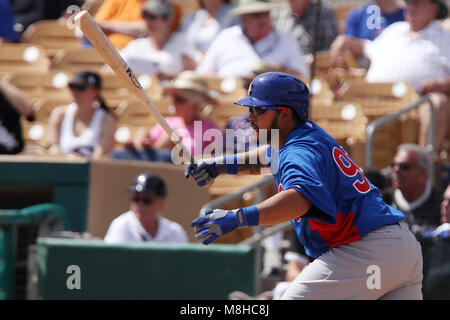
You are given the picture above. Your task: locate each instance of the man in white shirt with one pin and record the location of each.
(163, 52)
(236, 49)
(416, 51)
(143, 221)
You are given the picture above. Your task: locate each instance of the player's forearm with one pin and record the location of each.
(134, 29)
(284, 206)
(249, 162)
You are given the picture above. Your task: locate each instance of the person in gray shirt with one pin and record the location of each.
(299, 19)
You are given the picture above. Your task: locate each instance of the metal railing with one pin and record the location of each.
(375, 125)
(260, 184)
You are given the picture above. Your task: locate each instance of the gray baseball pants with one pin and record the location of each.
(384, 264)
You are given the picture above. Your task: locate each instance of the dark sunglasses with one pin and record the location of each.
(150, 16)
(144, 200)
(402, 165)
(259, 14)
(178, 99)
(257, 111)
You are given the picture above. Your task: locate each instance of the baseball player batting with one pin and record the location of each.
(362, 249)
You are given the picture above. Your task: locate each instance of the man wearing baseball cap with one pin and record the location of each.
(143, 221)
(236, 49)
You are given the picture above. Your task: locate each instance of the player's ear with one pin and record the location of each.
(286, 114)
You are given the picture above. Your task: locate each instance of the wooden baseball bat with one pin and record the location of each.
(105, 48)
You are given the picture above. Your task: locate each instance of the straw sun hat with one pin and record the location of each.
(189, 80)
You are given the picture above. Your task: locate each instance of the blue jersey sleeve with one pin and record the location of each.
(301, 171)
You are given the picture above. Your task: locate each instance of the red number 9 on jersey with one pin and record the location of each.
(350, 170)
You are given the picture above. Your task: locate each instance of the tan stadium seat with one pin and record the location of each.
(135, 113)
(22, 57)
(77, 59)
(52, 35)
(223, 111)
(43, 85)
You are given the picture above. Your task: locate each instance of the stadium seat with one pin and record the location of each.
(113, 90)
(341, 120)
(232, 87)
(52, 35)
(358, 88)
(34, 133)
(378, 100)
(75, 59)
(223, 111)
(135, 113)
(125, 132)
(43, 85)
(22, 57)
(320, 90)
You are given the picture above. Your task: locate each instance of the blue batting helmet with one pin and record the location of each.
(278, 89)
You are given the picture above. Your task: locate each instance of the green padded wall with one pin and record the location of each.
(144, 270)
(68, 182)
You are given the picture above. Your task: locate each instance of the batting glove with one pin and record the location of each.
(218, 222)
(204, 172)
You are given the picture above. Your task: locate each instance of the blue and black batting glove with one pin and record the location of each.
(218, 222)
(204, 171)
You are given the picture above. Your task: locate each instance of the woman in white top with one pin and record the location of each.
(85, 126)
(163, 52)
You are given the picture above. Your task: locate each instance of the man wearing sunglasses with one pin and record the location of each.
(143, 222)
(413, 194)
(362, 249)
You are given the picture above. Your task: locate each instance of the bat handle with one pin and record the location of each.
(188, 171)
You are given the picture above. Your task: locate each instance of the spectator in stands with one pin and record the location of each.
(412, 192)
(163, 52)
(369, 20)
(203, 25)
(13, 104)
(190, 94)
(85, 126)
(443, 231)
(123, 22)
(143, 222)
(29, 11)
(298, 18)
(420, 42)
(234, 51)
(7, 32)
